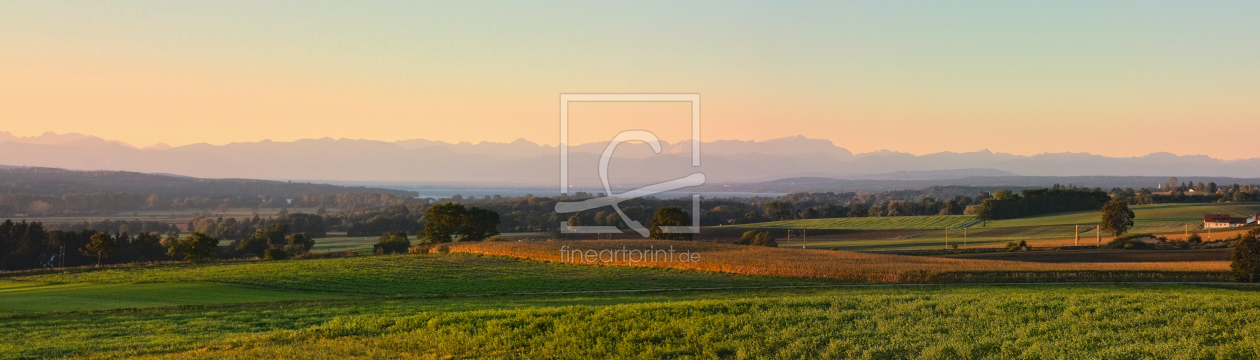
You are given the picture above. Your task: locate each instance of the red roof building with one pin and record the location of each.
(1225, 220)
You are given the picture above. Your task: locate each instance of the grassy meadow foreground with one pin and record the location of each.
(736, 302)
(971, 322)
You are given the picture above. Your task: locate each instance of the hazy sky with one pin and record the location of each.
(1112, 78)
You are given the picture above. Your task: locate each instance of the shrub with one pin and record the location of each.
(197, 247)
(670, 216)
(444, 249)
(1130, 237)
(1132, 241)
(418, 249)
(1195, 238)
(274, 254)
(392, 243)
(758, 238)
(299, 243)
(1017, 246)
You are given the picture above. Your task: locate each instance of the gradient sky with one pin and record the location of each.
(1111, 78)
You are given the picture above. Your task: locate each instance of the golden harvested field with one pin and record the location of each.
(855, 266)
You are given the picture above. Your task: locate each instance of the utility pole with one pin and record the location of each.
(63, 256)
(964, 237)
(1098, 231)
(1187, 230)
(802, 239)
(946, 237)
(1078, 235)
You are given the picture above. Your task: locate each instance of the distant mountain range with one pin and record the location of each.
(57, 182)
(523, 163)
(987, 183)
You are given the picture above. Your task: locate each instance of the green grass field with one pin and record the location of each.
(1169, 219)
(21, 297)
(360, 244)
(935, 322)
(430, 275)
(877, 223)
(466, 306)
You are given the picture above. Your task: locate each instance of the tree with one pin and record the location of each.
(758, 238)
(952, 208)
(171, 242)
(1245, 261)
(102, 245)
(197, 247)
(298, 243)
(154, 202)
(442, 221)
(1116, 217)
(145, 246)
(392, 243)
(670, 216)
(253, 245)
(777, 210)
(274, 234)
(1004, 194)
(984, 213)
(479, 224)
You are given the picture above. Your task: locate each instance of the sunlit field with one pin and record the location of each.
(855, 266)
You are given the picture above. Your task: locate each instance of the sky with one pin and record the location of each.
(1116, 78)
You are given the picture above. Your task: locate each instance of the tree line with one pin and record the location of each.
(26, 245)
(233, 229)
(1006, 204)
(1189, 192)
(30, 245)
